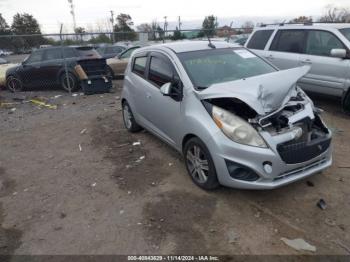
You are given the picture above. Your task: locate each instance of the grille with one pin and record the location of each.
(293, 153)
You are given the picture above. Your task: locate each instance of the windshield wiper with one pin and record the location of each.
(201, 87)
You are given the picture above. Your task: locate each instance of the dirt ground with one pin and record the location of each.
(71, 182)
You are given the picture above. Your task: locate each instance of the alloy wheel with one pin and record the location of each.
(197, 164)
(127, 116)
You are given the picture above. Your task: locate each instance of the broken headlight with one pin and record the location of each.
(236, 128)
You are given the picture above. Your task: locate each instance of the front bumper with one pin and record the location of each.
(222, 149)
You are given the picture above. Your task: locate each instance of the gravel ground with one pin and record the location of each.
(71, 182)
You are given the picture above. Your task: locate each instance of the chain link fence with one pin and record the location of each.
(68, 61)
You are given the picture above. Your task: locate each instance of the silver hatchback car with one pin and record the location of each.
(236, 119)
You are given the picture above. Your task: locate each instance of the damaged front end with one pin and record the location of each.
(289, 125)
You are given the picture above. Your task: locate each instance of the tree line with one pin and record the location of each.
(26, 24)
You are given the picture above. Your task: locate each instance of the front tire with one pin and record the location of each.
(129, 120)
(14, 84)
(200, 165)
(110, 73)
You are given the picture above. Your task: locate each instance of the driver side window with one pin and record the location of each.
(160, 71)
(321, 43)
(35, 57)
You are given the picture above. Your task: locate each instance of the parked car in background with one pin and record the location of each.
(237, 120)
(3, 61)
(117, 65)
(46, 68)
(110, 51)
(324, 47)
(4, 66)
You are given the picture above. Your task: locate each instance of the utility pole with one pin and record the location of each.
(112, 22)
(165, 25)
(71, 5)
(180, 24)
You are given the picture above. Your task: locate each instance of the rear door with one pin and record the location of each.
(286, 48)
(327, 74)
(51, 65)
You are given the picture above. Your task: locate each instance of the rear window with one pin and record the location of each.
(292, 41)
(87, 52)
(260, 39)
(345, 32)
(140, 65)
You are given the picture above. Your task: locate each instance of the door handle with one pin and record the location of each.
(306, 61)
(148, 96)
(269, 57)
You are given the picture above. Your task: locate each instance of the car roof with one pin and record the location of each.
(305, 26)
(188, 46)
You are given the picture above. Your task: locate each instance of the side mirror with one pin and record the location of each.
(340, 53)
(166, 89)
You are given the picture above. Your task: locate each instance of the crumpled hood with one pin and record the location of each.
(264, 93)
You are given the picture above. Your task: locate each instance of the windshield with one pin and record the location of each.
(209, 67)
(345, 32)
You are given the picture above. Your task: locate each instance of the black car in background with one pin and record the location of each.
(53, 67)
(110, 51)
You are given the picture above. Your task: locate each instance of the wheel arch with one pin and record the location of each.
(186, 139)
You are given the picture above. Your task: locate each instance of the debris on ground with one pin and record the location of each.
(80, 148)
(62, 215)
(232, 237)
(140, 159)
(330, 222)
(121, 212)
(122, 145)
(82, 132)
(322, 204)
(93, 185)
(309, 183)
(298, 244)
(342, 245)
(58, 96)
(74, 95)
(42, 104)
(171, 164)
(136, 144)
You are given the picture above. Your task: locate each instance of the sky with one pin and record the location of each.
(91, 14)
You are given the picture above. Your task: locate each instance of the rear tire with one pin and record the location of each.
(200, 165)
(73, 82)
(129, 120)
(14, 84)
(346, 102)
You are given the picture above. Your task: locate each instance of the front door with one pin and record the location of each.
(327, 74)
(162, 112)
(31, 72)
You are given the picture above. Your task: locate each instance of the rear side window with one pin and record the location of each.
(321, 43)
(291, 41)
(140, 65)
(53, 54)
(160, 71)
(260, 39)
